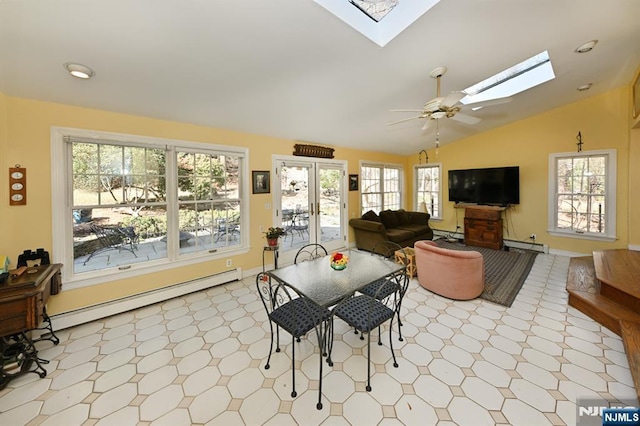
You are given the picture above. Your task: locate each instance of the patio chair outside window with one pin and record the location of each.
(112, 238)
(228, 227)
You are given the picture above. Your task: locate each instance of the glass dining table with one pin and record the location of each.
(325, 286)
(317, 281)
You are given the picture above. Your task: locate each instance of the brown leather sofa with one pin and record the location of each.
(399, 226)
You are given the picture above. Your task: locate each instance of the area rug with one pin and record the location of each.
(504, 271)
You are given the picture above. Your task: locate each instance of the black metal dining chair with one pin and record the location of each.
(310, 252)
(297, 315)
(394, 286)
(365, 313)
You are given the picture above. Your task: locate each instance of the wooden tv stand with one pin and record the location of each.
(483, 226)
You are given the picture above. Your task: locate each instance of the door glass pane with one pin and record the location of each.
(294, 190)
(329, 205)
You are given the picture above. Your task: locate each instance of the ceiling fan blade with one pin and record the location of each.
(403, 120)
(490, 102)
(433, 105)
(466, 119)
(427, 124)
(405, 110)
(453, 98)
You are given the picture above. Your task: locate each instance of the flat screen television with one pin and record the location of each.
(491, 186)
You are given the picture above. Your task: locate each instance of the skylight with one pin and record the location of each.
(525, 75)
(366, 16)
(375, 9)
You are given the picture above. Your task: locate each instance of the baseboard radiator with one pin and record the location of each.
(542, 248)
(103, 310)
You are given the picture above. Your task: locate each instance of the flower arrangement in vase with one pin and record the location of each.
(339, 261)
(272, 234)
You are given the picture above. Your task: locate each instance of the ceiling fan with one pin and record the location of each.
(447, 107)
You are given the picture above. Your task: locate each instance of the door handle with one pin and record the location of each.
(311, 209)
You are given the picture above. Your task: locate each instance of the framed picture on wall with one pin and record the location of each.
(353, 182)
(261, 182)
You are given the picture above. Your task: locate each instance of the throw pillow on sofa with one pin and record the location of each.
(371, 215)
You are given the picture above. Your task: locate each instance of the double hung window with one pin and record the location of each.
(583, 194)
(380, 187)
(122, 203)
(428, 188)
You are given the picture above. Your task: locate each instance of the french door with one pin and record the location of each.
(310, 203)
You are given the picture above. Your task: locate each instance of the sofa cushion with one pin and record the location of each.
(403, 217)
(389, 219)
(398, 235)
(415, 229)
(371, 215)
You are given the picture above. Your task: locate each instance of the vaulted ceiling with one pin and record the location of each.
(292, 69)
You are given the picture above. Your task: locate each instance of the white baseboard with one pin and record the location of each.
(103, 310)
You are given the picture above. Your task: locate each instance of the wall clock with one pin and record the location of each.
(17, 186)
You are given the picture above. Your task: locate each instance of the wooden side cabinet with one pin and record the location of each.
(483, 227)
(23, 301)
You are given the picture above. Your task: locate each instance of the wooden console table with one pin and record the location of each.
(483, 226)
(23, 302)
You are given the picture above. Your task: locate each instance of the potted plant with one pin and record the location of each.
(273, 234)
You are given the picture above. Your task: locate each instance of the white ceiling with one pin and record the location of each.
(290, 69)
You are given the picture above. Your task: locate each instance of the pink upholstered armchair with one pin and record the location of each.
(455, 274)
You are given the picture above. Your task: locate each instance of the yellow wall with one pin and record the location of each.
(634, 175)
(603, 120)
(25, 139)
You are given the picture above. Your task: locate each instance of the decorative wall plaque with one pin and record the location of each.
(312, 151)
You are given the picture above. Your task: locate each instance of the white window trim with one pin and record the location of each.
(611, 198)
(62, 230)
(384, 165)
(415, 183)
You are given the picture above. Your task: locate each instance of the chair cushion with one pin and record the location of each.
(389, 219)
(371, 215)
(363, 312)
(380, 289)
(298, 316)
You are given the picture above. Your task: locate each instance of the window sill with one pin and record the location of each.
(139, 269)
(591, 237)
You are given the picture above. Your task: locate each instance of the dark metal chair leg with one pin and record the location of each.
(293, 370)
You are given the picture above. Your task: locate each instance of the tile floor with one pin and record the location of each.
(199, 359)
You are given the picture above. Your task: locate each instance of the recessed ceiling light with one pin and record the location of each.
(79, 70)
(584, 87)
(586, 47)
